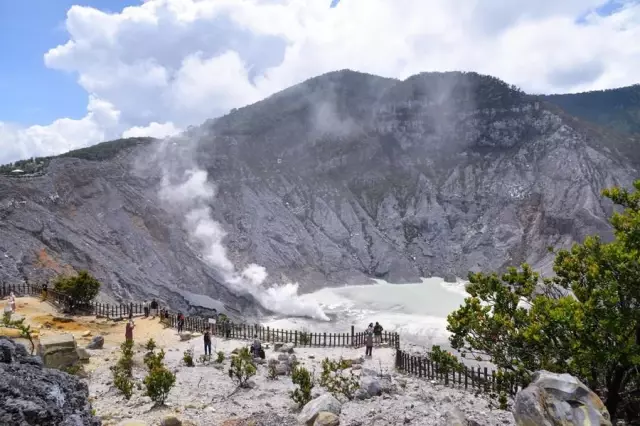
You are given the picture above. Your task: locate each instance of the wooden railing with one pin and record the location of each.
(470, 378)
(199, 324)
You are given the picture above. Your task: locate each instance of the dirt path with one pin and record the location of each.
(47, 321)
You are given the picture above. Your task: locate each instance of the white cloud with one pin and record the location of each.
(154, 130)
(179, 62)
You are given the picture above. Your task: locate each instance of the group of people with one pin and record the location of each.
(373, 335)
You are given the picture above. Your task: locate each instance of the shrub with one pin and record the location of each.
(81, 289)
(220, 357)
(150, 345)
(187, 358)
(304, 338)
(336, 380)
(122, 371)
(446, 362)
(242, 367)
(159, 382)
(25, 329)
(304, 381)
(154, 359)
(272, 372)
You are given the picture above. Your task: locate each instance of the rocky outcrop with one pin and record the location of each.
(559, 400)
(339, 179)
(97, 342)
(58, 350)
(32, 395)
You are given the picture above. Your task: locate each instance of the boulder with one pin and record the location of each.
(33, 395)
(96, 343)
(371, 385)
(170, 421)
(62, 318)
(282, 369)
(184, 336)
(558, 399)
(284, 347)
(86, 333)
(58, 350)
(326, 418)
(83, 355)
(283, 357)
(323, 403)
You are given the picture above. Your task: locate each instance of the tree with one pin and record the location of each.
(522, 324)
(81, 289)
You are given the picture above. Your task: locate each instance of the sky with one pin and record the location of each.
(74, 73)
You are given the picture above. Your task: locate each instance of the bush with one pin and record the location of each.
(159, 382)
(242, 367)
(220, 357)
(336, 380)
(272, 372)
(81, 289)
(150, 345)
(521, 324)
(446, 361)
(25, 329)
(187, 358)
(304, 381)
(304, 338)
(122, 371)
(154, 359)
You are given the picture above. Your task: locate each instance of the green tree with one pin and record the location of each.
(81, 289)
(523, 324)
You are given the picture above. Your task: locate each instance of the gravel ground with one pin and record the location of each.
(205, 395)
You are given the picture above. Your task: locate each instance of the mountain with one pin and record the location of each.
(618, 109)
(344, 177)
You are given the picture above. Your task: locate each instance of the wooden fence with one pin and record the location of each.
(470, 378)
(199, 324)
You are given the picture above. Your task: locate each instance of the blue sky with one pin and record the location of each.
(32, 93)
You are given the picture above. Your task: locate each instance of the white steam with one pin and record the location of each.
(191, 196)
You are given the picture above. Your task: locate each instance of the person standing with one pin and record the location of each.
(180, 322)
(128, 332)
(207, 342)
(377, 333)
(45, 289)
(145, 307)
(154, 307)
(12, 302)
(368, 341)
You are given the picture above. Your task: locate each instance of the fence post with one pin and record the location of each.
(353, 342)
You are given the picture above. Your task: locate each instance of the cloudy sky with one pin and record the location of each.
(74, 73)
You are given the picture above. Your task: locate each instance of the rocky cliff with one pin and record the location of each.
(343, 177)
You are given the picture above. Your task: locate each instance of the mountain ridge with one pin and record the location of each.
(336, 180)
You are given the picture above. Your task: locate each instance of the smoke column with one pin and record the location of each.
(191, 193)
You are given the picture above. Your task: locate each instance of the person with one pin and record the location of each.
(162, 316)
(180, 322)
(128, 333)
(45, 288)
(154, 307)
(12, 302)
(377, 333)
(256, 347)
(368, 341)
(207, 342)
(145, 306)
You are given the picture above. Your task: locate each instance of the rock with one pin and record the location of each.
(324, 403)
(7, 351)
(83, 355)
(33, 395)
(58, 350)
(552, 399)
(96, 343)
(371, 385)
(362, 394)
(194, 335)
(273, 361)
(292, 359)
(282, 369)
(283, 357)
(170, 421)
(326, 418)
(86, 333)
(259, 361)
(17, 317)
(184, 336)
(284, 347)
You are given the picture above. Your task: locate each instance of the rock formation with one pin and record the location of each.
(32, 395)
